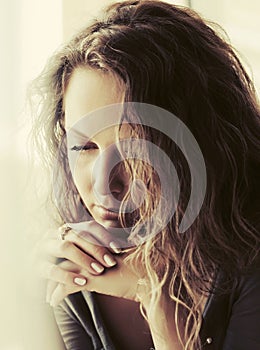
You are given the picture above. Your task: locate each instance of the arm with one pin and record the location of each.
(74, 335)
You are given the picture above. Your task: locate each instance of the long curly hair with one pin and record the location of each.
(168, 56)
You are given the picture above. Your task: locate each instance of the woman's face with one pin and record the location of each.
(87, 91)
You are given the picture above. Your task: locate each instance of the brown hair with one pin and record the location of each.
(168, 56)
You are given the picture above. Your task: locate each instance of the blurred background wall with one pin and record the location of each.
(30, 31)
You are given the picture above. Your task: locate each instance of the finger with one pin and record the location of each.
(95, 233)
(60, 292)
(92, 247)
(68, 250)
(56, 274)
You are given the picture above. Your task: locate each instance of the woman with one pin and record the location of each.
(125, 281)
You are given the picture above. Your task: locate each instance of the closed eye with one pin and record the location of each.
(87, 147)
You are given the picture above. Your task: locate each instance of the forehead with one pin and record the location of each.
(89, 90)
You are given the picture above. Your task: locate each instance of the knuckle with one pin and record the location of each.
(92, 224)
(73, 234)
(103, 241)
(65, 246)
(84, 260)
(83, 234)
(97, 251)
(67, 277)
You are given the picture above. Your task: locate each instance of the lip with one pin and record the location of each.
(107, 214)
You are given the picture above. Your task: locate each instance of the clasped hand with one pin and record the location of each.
(90, 260)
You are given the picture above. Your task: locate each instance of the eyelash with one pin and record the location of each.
(86, 147)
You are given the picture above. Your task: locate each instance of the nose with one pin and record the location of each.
(109, 176)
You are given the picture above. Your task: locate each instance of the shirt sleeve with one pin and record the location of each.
(243, 332)
(74, 335)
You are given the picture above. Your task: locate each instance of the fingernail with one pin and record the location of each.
(109, 260)
(98, 268)
(80, 281)
(115, 248)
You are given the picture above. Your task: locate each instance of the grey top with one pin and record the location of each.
(230, 321)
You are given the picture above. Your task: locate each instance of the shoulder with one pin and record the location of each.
(247, 289)
(231, 319)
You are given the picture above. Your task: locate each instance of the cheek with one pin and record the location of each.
(82, 178)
